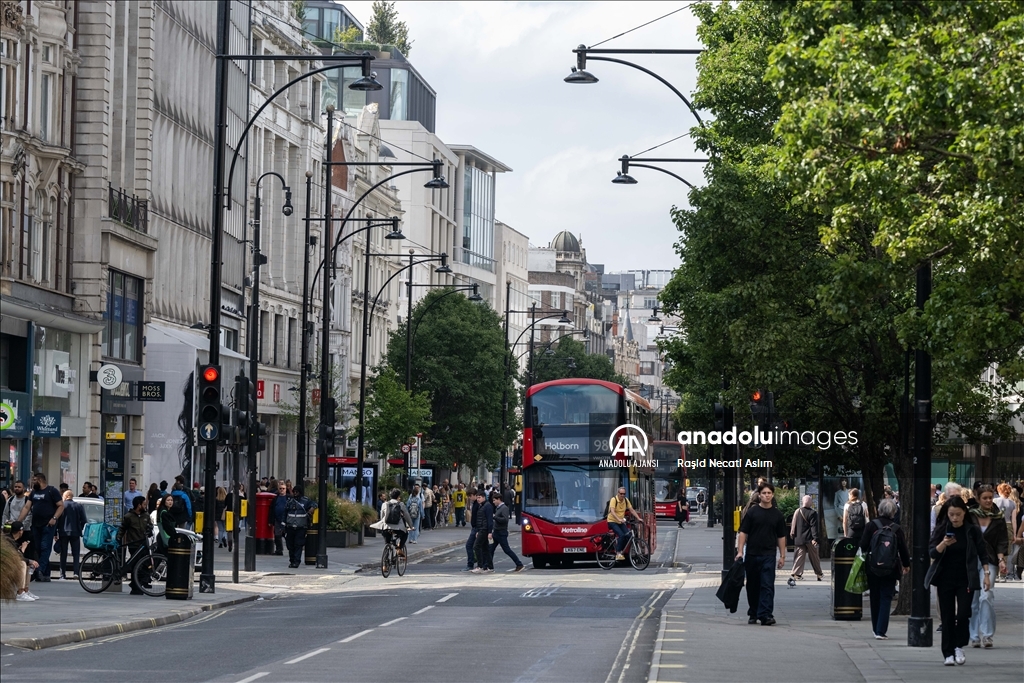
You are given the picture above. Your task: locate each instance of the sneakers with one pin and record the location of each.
(31, 595)
(770, 621)
(519, 568)
(975, 643)
(752, 620)
(949, 661)
(25, 597)
(881, 637)
(477, 570)
(958, 656)
(467, 569)
(619, 556)
(488, 571)
(987, 642)
(821, 577)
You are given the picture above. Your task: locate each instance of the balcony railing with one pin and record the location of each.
(130, 211)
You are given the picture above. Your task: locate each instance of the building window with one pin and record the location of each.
(650, 302)
(122, 334)
(647, 367)
(278, 338)
(556, 299)
(9, 59)
(399, 95)
(264, 333)
(45, 106)
(291, 342)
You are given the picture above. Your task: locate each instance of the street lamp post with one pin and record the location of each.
(253, 344)
(919, 625)
(622, 177)
(302, 438)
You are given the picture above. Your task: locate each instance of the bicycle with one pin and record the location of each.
(636, 545)
(392, 556)
(99, 568)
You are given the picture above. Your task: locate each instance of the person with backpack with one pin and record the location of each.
(855, 516)
(886, 557)
(297, 513)
(395, 519)
(415, 505)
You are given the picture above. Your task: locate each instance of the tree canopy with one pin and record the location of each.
(458, 359)
(385, 28)
(394, 415)
(557, 365)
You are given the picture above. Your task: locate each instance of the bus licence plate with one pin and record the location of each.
(574, 550)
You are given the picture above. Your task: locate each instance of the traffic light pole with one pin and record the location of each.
(919, 625)
(207, 581)
(728, 499)
(325, 351)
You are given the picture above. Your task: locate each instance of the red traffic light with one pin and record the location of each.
(756, 396)
(211, 374)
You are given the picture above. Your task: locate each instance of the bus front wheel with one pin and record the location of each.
(539, 562)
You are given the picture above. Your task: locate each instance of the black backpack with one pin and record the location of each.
(856, 518)
(394, 515)
(883, 555)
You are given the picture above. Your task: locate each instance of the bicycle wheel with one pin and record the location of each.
(606, 554)
(401, 561)
(150, 574)
(639, 554)
(387, 560)
(96, 572)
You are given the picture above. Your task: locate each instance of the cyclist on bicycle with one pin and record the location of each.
(619, 508)
(396, 519)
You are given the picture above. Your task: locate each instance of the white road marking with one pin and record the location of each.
(252, 678)
(357, 635)
(448, 597)
(393, 621)
(423, 610)
(314, 653)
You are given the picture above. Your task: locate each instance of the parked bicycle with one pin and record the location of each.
(393, 556)
(636, 549)
(99, 569)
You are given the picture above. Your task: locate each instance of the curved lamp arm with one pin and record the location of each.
(419, 319)
(651, 73)
(656, 168)
(398, 272)
(252, 119)
(528, 327)
(548, 345)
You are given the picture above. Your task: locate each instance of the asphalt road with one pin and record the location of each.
(434, 624)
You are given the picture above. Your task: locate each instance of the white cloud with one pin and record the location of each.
(498, 67)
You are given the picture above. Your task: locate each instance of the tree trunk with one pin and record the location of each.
(904, 466)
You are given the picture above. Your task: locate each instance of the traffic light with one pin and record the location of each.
(261, 435)
(245, 408)
(761, 406)
(210, 407)
(326, 442)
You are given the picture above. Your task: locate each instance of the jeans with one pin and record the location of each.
(621, 532)
(278, 539)
(983, 607)
(955, 612)
(470, 544)
(415, 533)
(75, 544)
(881, 591)
(501, 538)
(760, 571)
(42, 539)
(296, 539)
(460, 516)
(428, 517)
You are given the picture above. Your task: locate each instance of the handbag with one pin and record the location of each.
(857, 582)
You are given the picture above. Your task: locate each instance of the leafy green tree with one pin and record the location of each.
(394, 415)
(350, 35)
(459, 360)
(557, 365)
(385, 28)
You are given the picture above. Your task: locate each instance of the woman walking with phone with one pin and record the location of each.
(958, 552)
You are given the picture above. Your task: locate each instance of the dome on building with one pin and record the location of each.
(565, 241)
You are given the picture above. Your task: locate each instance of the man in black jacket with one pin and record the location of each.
(804, 531)
(483, 522)
(476, 503)
(500, 534)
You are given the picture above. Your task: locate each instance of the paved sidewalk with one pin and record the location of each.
(699, 640)
(67, 614)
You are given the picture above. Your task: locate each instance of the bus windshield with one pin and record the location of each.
(575, 404)
(568, 493)
(667, 473)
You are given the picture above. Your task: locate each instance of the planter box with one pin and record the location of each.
(369, 532)
(342, 539)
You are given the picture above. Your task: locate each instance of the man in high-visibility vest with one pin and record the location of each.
(459, 503)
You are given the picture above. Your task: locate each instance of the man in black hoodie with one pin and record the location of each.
(500, 534)
(483, 522)
(475, 500)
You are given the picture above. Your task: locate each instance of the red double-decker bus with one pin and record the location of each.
(569, 472)
(669, 476)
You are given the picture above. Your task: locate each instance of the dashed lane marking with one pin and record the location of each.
(448, 597)
(314, 653)
(356, 635)
(428, 607)
(393, 621)
(254, 677)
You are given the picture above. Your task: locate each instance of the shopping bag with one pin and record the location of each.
(858, 579)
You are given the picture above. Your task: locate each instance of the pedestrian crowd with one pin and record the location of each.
(976, 541)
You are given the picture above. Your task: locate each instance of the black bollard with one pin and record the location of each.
(180, 570)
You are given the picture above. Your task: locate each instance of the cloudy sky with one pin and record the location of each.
(498, 67)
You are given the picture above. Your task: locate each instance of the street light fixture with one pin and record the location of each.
(622, 177)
